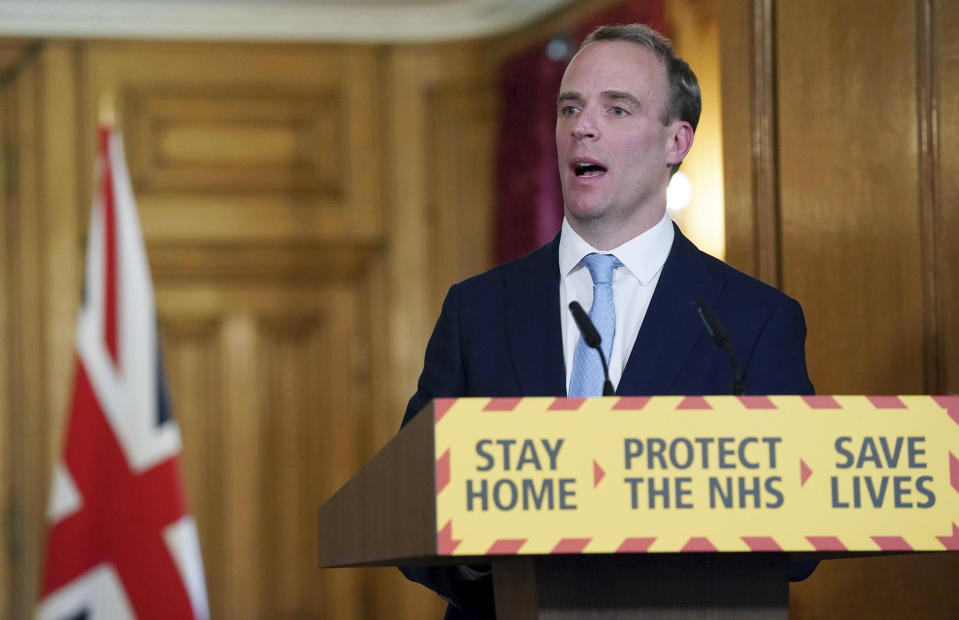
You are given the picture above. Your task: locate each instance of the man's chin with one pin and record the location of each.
(585, 212)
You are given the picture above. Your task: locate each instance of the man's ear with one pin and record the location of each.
(681, 134)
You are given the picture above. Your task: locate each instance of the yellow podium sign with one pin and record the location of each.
(716, 473)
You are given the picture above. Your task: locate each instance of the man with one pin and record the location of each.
(626, 114)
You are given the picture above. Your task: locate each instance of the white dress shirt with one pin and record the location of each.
(633, 285)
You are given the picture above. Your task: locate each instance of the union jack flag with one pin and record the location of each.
(121, 543)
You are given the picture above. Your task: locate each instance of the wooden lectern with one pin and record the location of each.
(392, 512)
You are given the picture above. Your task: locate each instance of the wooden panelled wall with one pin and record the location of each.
(304, 208)
(841, 154)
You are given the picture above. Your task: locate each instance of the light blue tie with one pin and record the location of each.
(587, 376)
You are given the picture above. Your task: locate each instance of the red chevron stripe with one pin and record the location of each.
(954, 471)
(951, 542)
(694, 402)
(757, 402)
(502, 404)
(886, 402)
(440, 407)
(445, 545)
(698, 544)
(892, 543)
(506, 546)
(821, 402)
(636, 545)
(950, 404)
(566, 404)
(631, 403)
(571, 545)
(826, 543)
(761, 543)
(442, 471)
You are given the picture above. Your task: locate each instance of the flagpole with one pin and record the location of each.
(106, 111)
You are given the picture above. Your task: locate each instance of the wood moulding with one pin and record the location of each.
(291, 261)
(765, 143)
(930, 199)
(747, 31)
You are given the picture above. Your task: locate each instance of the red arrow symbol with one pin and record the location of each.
(598, 474)
(804, 472)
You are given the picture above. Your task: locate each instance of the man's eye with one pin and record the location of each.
(567, 110)
(618, 111)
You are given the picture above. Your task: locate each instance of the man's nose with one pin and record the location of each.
(584, 126)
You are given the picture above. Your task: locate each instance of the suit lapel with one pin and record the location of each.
(671, 326)
(533, 322)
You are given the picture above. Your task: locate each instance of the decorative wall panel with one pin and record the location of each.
(232, 142)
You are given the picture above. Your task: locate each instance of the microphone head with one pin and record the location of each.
(586, 328)
(711, 320)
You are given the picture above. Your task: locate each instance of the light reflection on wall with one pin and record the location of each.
(678, 194)
(694, 29)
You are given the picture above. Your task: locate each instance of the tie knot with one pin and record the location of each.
(601, 267)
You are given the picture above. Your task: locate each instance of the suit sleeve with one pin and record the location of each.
(443, 376)
(778, 366)
(777, 363)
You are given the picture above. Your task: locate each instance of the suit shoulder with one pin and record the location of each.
(494, 278)
(743, 285)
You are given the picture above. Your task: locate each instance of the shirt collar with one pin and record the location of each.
(643, 255)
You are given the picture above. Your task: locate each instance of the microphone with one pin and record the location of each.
(592, 339)
(718, 333)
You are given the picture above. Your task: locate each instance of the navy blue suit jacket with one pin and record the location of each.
(499, 334)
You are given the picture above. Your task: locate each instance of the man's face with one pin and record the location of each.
(614, 152)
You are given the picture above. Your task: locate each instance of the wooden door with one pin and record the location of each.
(840, 122)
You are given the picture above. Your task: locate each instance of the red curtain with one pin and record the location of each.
(530, 207)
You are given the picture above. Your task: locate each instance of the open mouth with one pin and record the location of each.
(587, 169)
